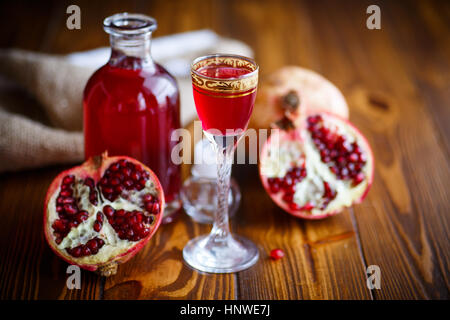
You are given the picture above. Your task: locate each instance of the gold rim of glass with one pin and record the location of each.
(242, 83)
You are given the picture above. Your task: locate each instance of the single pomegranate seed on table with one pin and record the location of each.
(276, 254)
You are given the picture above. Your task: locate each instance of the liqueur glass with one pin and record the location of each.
(224, 88)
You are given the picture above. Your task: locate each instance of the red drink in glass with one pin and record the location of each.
(225, 111)
(224, 88)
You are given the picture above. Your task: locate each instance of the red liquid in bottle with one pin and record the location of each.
(133, 112)
(222, 110)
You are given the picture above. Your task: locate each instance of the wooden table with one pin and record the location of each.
(396, 81)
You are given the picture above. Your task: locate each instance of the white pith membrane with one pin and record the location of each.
(285, 152)
(84, 232)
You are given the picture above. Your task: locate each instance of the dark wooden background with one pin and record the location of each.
(396, 81)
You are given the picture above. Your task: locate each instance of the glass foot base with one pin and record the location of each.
(231, 254)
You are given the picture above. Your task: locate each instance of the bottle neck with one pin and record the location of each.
(131, 52)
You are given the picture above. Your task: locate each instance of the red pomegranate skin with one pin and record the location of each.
(295, 134)
(95, 168)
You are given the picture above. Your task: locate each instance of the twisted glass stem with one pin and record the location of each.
(224, 147)
(221, 227)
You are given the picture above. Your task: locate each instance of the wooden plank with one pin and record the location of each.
(403, 224)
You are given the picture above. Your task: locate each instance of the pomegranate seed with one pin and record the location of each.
(81, 217)
(68, 200)
(120, 213)
(148, 219)
(139, 187)
(76, 252)
(66, 193)
(93, 197)
(119, 189)
(148, 206)
(276, 254)
(89, 182)
(119, 221)
(92, 244)
(142, 182)
(73, 224)
(353, 157)
(108, 210)
(147, 197)
(85, 251)
(68, 179)
(65, 187)
(274, 188)
(114, 167)
(130, 233)
(118, 176)
(288, 197)
(145, 232)
(126, 172)
(97, 226)
(107, 190)
(132, 220)
(288, 182)
(99, 217)
(104, 181)
(70, 209)
(294, 206)
(114, 181)
(307, 207)
(135, 176)
(58, 225)
(358, 178)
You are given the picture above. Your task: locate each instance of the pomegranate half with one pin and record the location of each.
(318, 168)
(103, 212)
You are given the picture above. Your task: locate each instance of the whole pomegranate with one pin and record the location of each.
(292, 92)
(103, 212)
(317, 168)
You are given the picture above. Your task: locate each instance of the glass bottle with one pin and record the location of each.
(131, 104)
